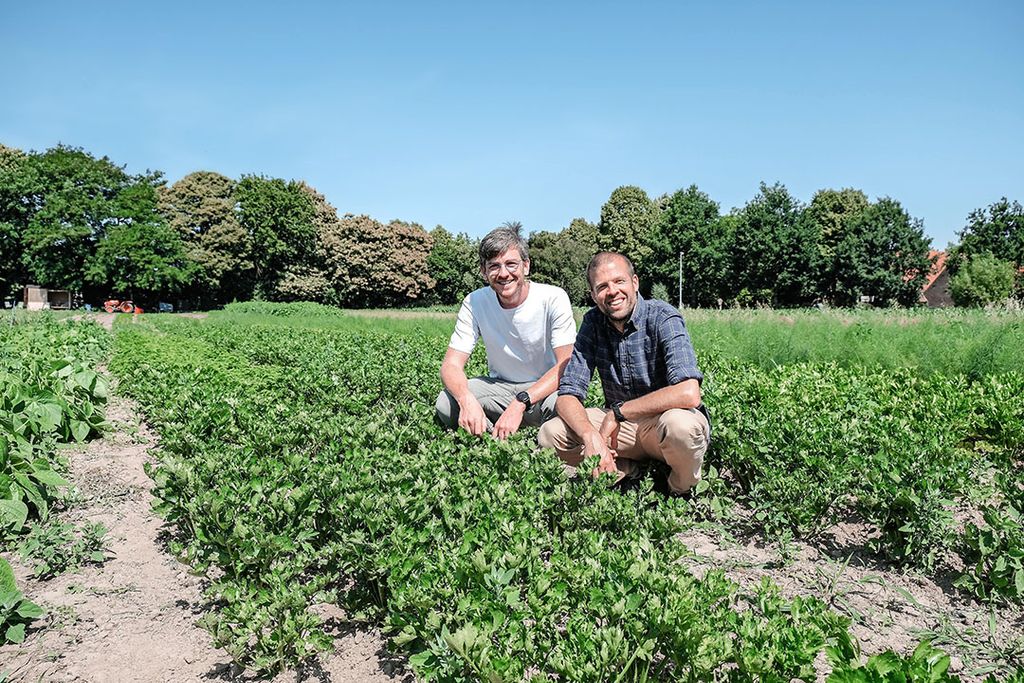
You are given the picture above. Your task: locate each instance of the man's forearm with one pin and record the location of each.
(455, 381)
(683, 395)
(572, 412)
(547, 383)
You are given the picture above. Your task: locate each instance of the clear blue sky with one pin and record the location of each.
(471, 114)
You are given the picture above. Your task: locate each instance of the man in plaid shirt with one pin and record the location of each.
(642, 353)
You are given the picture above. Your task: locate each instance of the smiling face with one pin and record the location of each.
(506, 274)
(614, 289)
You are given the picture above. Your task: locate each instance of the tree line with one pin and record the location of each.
(73, 221)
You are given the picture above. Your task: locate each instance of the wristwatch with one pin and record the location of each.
(524, 398)
(617, 409)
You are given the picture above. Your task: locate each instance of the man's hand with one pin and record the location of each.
(595, 443)
(510, 420)
(471, 416)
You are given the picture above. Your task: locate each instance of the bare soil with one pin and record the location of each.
(890, 609)
(133, 618)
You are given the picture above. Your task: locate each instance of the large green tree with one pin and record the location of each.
(372, 264)
(12, 219)
(201, 208)
(627, 219)
(140, 255)
(560, 259)
(454, 266)
(773, 251)
(64, 201)
(690, 225)
(982, 280)
(830, 216)
(278, 217)
(997, 230)
(884, 256)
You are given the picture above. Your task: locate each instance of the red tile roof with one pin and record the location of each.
(938, 265)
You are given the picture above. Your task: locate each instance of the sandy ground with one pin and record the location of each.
(890, 609)
(133, 618)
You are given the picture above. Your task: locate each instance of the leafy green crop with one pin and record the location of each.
(15, 611)
(300, 460)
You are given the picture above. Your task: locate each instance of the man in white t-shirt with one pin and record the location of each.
(528, 332)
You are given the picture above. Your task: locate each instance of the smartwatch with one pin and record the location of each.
(617, 409)
(524, 398)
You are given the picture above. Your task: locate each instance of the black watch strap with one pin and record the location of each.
(617, 409)
(524, 398)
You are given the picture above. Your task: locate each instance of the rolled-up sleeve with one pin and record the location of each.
(680, 360)
(578, 372)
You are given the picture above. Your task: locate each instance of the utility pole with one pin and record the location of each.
(680, 280)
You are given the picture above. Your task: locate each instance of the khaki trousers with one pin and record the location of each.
(678, 437)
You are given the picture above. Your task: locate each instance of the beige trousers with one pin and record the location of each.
(678, 438)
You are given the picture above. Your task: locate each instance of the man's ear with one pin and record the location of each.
(526, 267)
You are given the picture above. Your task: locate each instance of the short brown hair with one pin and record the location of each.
(500, 240)
(603, 257)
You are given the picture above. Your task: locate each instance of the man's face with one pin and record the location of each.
(506, 274)
(614, 290)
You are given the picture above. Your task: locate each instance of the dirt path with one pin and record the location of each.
(133, 619)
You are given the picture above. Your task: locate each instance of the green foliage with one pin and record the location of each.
(982, 280)
(201, 209)
(926, 665)
(11, 219)
(140, 254)
(62, 202)
(278, 217)
(948, 342)
(773, 253)
(832, 215)
(453, 265)
(558, 259)
(659, 291)
(691, 225)
(480, 559)
(627, 219)
(997, 230)
(377, 265)
(49, 393)
(883, 255)
(16, 612)
(56, 547)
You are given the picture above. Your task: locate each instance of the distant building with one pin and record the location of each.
(36, 298)
(935, 293)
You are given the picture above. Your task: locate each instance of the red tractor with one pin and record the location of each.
(115, 305)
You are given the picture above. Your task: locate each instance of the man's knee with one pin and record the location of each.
(446, 410)
(685, 429)
(548, 435)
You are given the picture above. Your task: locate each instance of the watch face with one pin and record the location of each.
(523, 397)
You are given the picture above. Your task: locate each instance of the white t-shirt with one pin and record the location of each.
(520, 341)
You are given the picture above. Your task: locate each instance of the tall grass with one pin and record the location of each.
(951, 342)
(972, 343)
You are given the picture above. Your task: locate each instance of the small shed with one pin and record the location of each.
(36, 298)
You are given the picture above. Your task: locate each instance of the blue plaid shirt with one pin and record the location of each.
(653, 352)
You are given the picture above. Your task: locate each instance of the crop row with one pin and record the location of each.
(50, 393)
(303, 464)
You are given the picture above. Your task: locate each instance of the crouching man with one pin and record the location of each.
(651, 383)
(528, 331)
